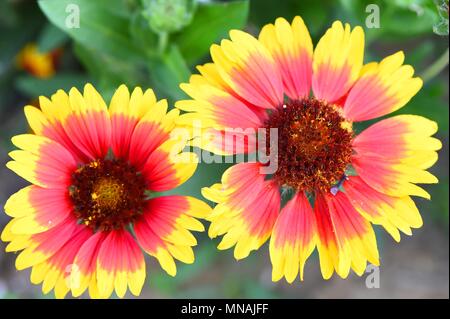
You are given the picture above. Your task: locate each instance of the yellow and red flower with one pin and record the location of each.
(41, 65)
(341, 182)
(93, 203)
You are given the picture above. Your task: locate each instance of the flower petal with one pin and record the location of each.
(163, 231)
(248, 68)
(382, 88)
(393, 154)
(293, 239)
(42, 161)
(44, 245)
(83, 273)
(55, 272)
(168, 167)
(406, 138)
(88, 125)
(226, 142)
(346, 239)
(16, 242)
(337, 61)
(246, 211)
(212, 107)
(155, 124)
(393, 213)
(50, 119)
(78, 122)
(37, 209)
(120, 263)
(291, 47)
(211, 76)
(217, 115)
(125, 112)
(392, 178)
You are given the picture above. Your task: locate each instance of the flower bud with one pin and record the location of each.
(168, 15)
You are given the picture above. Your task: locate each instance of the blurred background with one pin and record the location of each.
(45, 46)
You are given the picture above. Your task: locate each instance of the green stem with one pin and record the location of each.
(436, 67)
(162, 42)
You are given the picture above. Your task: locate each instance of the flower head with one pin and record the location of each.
(340, 182)
(95, 174)
(41, 65)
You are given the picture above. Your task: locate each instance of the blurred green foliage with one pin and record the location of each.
(157, 44)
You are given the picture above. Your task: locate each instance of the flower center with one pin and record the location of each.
(314, 144)
(107, 194)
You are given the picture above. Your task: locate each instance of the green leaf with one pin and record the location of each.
(211, 22)
(399, 19)
(51, 38)
(100, 27)
(407, 23)
(34, 87)
(168, 71)
(142, 35)
(109, 72)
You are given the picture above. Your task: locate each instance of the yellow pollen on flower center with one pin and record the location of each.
(107, 193)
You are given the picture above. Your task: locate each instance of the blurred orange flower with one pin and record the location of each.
(41, 65)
